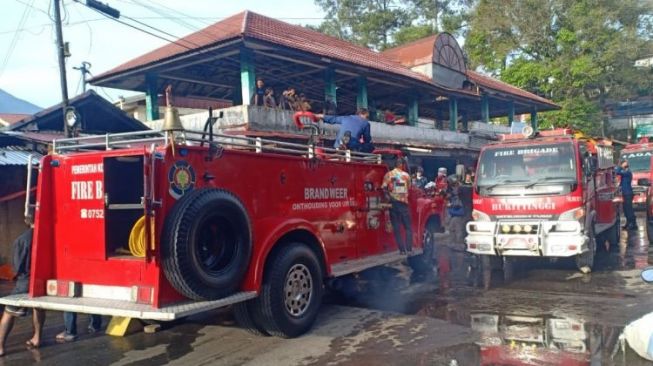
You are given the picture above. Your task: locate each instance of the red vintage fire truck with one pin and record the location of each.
(161, 226)
(639, 157)
(546, 194)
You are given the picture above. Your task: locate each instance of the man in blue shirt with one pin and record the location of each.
(627, 193)
(352, 129)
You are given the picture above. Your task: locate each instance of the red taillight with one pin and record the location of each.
(572, 247)
(62, 288)
(575, 327)
(472, 245)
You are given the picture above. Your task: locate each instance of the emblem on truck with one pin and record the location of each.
(181, 178)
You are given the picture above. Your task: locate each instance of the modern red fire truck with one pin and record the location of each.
(546, 194)
(639, 157)
(161, 226)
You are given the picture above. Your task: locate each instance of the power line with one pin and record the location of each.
(14, 40)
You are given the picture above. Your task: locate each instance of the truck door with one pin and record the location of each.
(605, 187)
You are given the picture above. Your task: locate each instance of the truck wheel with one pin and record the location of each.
(292, 291)
(206, 244)
(585, 261)
(486, 271)
(649, 230)
(614, 235)
(424, 262)
(245, 317)
(508, 269)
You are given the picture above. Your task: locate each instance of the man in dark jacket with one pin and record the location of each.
(21, 263)
(355, 128)
(627, 193)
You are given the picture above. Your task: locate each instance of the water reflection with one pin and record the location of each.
(525, 340)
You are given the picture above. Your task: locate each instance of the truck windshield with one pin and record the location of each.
(639, 161)
(526, 165)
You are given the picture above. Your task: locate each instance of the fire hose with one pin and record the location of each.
(137, 242)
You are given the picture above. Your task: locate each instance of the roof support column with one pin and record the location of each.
(453, 114)
(465, 122)
(247, 75)
(511, 112)
(534, 118)
(485, 109)
(413, 109)
(361, 96)
(330, 85)
(151, 97)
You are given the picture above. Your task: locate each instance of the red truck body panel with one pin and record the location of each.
(75, 233)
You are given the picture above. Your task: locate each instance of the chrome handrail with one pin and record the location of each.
(255, 144)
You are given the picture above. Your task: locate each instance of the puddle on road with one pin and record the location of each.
(556, 317)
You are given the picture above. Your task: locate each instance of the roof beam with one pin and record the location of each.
(194, 81)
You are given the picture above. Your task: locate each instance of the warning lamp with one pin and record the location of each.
(505, 229)
(528, 131)
(528, 228)
(516, 228)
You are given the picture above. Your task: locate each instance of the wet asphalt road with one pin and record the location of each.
(549, 314)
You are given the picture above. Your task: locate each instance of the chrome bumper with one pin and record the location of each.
(548, 239)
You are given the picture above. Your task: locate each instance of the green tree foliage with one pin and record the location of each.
(580, 53)
(370, 23)
(379, 24)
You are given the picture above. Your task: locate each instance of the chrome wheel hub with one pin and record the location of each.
(298, 289)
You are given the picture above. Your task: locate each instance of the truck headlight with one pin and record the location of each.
(572, 215)
(480, 216)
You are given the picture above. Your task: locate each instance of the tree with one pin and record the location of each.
(370, 23)
(379, 24)
(580, 53)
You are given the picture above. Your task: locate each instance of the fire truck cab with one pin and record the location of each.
(546, 194)
(163, 225)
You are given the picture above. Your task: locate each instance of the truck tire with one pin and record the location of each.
(206, 244)
(424, 262)
(486, 271)
(585, 261)
(245, 317)
(614, 235)
(508, 269)
(649, 231)
(292, 290)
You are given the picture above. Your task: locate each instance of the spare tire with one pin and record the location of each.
(206, 244)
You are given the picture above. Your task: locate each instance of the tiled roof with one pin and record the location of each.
(418, 52)
(396, 61)
(498, 85)
(12, 118)
(249, 24)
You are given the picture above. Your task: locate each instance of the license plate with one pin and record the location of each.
(517, 243)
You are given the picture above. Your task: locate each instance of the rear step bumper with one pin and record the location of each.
(122, 308)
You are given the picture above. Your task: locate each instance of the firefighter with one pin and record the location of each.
(396, 184)
(627, 193)
(21, 262)
(420, 180)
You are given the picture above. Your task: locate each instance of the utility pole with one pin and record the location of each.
(62, 66)
(84, 69)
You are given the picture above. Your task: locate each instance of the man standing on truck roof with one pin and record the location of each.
(396, 184)
(21, 263)
(358, 127)
(627, 193)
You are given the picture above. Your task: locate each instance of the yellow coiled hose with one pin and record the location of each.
(137, 238)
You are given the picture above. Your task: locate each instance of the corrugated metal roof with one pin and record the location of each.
(15, 155)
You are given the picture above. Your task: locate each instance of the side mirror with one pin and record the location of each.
(644, 182)
(647, 274)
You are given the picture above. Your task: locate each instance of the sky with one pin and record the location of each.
(29, 69)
